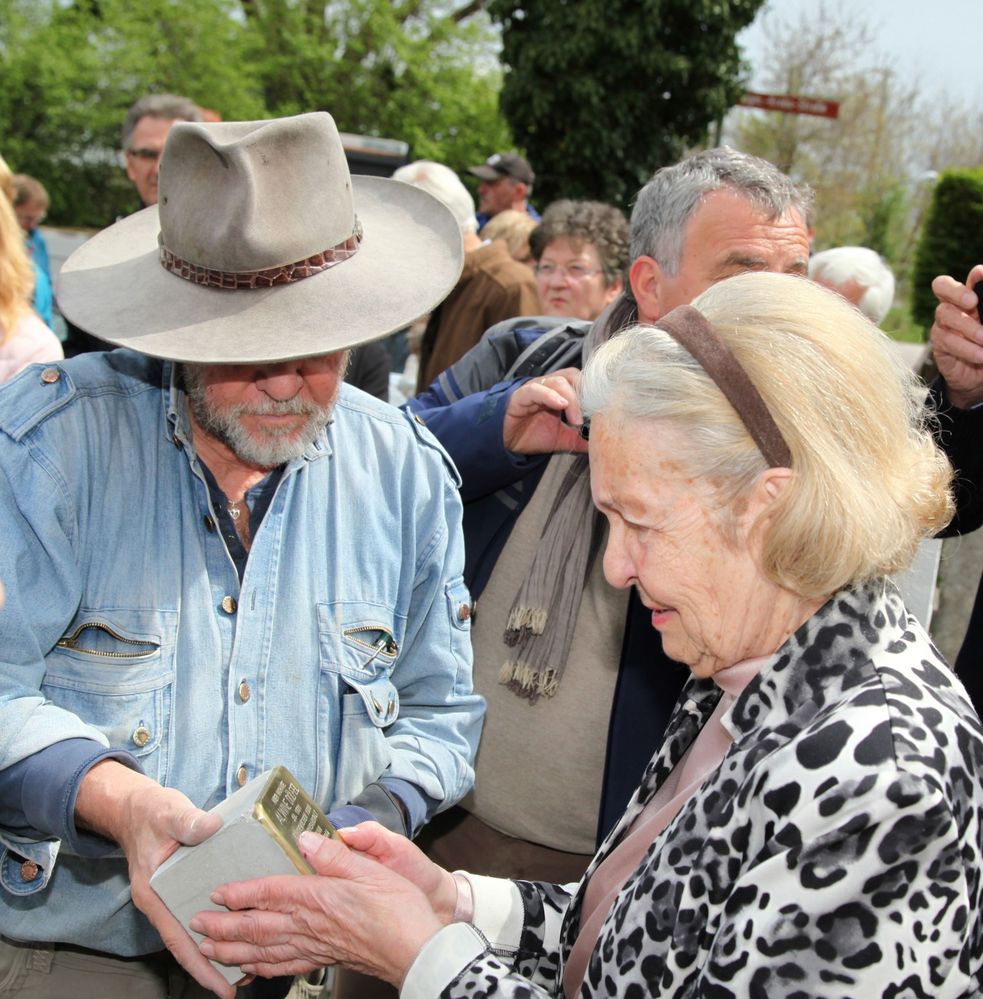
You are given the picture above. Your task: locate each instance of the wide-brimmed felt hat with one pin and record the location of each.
(504, 165)
(263, 247)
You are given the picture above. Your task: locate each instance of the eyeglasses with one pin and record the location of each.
(575, 272)
(144, 154)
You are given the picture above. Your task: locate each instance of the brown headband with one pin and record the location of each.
(284, 274)
(691, 330)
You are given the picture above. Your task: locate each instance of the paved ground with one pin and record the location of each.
(959, 576)
(959, 567)
(61, 242)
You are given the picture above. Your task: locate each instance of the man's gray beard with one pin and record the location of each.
(276, 446)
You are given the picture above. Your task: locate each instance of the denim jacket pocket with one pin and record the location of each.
(359, 645)
(360, 641)
(26, 865)
(115, 669)
(459, 604)
(460, 611)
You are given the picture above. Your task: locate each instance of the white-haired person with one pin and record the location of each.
(860, 275)
(492, 287)
(811, 825)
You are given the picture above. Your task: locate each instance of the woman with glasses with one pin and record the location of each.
(581, 252)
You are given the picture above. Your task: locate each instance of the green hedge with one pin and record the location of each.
(952, 238)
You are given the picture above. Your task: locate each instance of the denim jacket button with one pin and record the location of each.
(29, 870)
(464, 612)
(49, 376)
(141, 736)
(242, 775)
(244, 692)
(229, 605)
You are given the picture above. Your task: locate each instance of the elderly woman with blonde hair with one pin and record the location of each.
(24, 338)
(812, 823)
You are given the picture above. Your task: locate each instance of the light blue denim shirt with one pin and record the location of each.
(344, 653)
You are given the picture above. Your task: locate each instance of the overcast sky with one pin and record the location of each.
(940, 42)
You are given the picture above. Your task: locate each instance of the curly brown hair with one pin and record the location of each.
(586, 222)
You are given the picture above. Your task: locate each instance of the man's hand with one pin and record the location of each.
(149, 822)
(957, 338)
(534, 421)
(354, 911)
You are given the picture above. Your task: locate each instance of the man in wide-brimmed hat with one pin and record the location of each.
(218, 558)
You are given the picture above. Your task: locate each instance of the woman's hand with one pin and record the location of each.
(404, 858)
(367, 910)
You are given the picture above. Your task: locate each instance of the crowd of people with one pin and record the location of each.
(590, 649)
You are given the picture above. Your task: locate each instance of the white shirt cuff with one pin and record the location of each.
(444, 956)
(498, 910)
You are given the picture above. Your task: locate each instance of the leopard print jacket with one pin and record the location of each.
(836, 851)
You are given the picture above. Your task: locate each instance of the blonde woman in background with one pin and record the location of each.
(514, 229)
(24, 338)
(6, 180)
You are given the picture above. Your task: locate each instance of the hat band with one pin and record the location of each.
(268, 278)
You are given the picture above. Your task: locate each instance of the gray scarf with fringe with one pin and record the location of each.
(540, 626)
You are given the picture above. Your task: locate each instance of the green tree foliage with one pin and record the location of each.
(601, 93)
(408, 70)
(952, 237)
(71, 71)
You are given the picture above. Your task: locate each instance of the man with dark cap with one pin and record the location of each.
(506, 182)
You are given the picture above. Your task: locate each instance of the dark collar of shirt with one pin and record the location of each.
(257, 500)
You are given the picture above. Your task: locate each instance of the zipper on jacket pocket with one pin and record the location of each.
(72, 642)
(383, 644)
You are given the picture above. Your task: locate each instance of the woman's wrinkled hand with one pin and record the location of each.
(368, 906)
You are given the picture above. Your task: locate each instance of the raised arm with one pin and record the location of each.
(957, 338)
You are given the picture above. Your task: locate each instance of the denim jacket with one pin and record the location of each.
(344, 653)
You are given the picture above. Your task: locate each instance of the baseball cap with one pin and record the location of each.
(504, 165)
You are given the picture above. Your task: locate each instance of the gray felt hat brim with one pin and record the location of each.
(410, 257)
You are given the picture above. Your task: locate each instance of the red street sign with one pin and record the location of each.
(791, 104)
